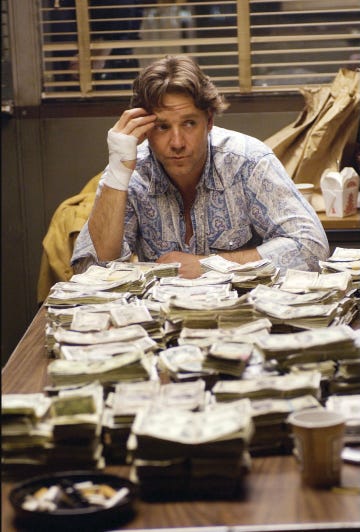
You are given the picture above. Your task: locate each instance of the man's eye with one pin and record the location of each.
(161, 127)
(190, 123)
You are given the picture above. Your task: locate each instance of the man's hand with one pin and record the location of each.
(190, 266)
(123, 138)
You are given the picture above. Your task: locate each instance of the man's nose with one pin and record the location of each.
(176, 139)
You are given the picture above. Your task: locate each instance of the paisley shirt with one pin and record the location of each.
(244, 199)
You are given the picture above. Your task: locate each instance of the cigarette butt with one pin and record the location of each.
(40, 493)
(107, 491)
(351, 490)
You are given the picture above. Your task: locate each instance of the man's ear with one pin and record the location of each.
(210, 120)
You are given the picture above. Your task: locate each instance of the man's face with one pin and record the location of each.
(179, 138)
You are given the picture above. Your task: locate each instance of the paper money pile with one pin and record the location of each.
(25, 434)
(347, 377)
(303, 302)
(349, 406)
(76, 418)
(60, 432)
(344, 260)
(127, 399)
(245, 276)
(202, 454)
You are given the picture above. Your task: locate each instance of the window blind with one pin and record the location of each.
(96, 48)
(6, 75)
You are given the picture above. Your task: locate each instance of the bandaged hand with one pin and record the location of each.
(121, 148)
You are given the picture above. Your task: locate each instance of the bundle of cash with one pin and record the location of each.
(63, 316)
(328, 343)
(190, 288)
(127, 399)
(299, 280)
(344, 260)
(347, 377)
(204, 338)
(194, 456)
(122, 278)
(25, 433)
(222, 265)
(184, 362)
(150, 270)
(208, 312)
(228, 358)
(121, 407)
(58, 297)
(298, 310)
(76, 417)
(272, 432)
(274, 386)
(103, 351)
(349, 406)
(125, 367)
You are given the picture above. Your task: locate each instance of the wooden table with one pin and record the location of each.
(348, 222)
(275, 498)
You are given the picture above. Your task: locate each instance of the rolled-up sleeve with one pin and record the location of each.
(85, 249)
(293, 236)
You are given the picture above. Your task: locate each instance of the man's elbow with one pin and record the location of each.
(82, 264)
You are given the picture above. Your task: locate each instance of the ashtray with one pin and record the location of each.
(74, 500)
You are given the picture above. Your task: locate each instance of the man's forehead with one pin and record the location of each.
(179, 103)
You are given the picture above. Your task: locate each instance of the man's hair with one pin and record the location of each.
(176, 74)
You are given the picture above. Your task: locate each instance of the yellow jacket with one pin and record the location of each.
(59, 240)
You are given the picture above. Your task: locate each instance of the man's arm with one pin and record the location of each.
(106, 221)
(190, 264)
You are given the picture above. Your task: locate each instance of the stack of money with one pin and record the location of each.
(138, 312)
(300, 311)
(269, 386)
(347, 377)
(109, 342)
(129, 366)
(303, 281)
(76, 417)
(121, 407)
(344, 260)
(245, 276)
(228, 358)
(26, 434)
(64, 316)
(210, 312)
(127, 399)
(119, 277)
(349, 406)
(184, 363)
(204, 338)
(317, 345)
(151, 270)
(272, 432)
(222, 265)
(203, 454)
(66, 297)
(104, 317)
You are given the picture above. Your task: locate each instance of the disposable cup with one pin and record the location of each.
(318, 442)
(306, 190)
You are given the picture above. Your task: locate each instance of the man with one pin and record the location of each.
(177, 188)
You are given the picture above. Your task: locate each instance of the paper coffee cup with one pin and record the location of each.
(306, 190)
(318, 440)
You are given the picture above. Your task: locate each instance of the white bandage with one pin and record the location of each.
(121, 148)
